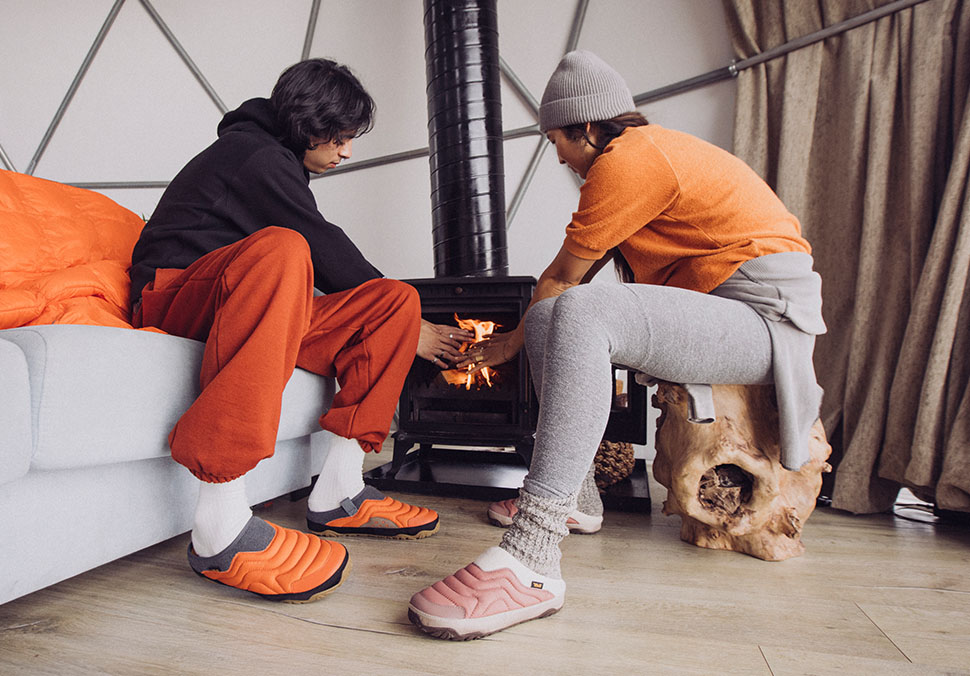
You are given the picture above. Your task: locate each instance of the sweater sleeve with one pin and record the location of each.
(629, 185)
(274, 190)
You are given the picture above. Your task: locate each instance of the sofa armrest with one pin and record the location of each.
(16, 443)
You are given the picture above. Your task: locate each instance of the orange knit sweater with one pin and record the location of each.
(682, 211)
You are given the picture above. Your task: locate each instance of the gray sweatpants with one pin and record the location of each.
(665, 332)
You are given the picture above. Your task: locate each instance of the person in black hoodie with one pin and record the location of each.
(231, 257)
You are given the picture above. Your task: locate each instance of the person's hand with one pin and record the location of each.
(440, 344)
(494, 350)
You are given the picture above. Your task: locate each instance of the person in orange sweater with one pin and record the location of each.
(718, 288)
(231, 256)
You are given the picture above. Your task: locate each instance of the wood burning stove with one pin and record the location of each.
(499, 413)
(472, 439)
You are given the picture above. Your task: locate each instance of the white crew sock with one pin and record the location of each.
(220, 515)
(341, 475)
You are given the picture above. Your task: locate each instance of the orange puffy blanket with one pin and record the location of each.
(64, 254)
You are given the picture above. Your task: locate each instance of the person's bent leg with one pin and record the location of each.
(367, 338)
(250, 303)
(668, 333)
(587, 517)
(537, 322)
(665, 332)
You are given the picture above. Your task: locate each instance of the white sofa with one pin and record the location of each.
(86, 474)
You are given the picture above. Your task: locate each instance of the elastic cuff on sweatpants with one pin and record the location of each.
(212, 478)
(368, 447)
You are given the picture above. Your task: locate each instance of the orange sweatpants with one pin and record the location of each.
(252, 303)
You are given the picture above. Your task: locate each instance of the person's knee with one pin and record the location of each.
(537, 321)
(274, 237)
(583, 312)
(578, 304)
(404, 293)
(277, 244)
(276, 258)
(400, 295)
(540, 313)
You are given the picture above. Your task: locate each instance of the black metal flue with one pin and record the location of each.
(465, 138)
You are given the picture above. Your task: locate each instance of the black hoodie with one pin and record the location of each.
(246, 180)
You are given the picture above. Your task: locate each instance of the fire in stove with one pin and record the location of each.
(500, 411)
(469, 376)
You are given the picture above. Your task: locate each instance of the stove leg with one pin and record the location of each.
(402, 444)
(524, 448)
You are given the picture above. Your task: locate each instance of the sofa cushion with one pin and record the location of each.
(15, 441)
(64, 254)
(104, 394)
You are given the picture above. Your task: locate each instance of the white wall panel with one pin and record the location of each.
(532, 38)
(41, 48)
(241, 46)
(537, 231)
(138, 115)
(388, 217)
(655, 42)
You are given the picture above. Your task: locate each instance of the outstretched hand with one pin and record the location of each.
(494, 350)
(439, 343)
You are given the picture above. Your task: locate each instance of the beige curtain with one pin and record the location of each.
(866, 138)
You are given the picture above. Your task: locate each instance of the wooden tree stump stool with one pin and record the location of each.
(725, 478)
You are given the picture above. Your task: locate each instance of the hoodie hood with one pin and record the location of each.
(252, 115)
(257, 116)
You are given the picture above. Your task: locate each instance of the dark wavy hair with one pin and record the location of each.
(321, 98)
(607, 130)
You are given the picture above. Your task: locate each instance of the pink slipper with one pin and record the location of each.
(501, 513)
(490, 594)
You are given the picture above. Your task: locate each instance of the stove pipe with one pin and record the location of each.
(465, 138)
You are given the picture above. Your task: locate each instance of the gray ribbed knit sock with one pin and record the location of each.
(588, 501)
(537, 528)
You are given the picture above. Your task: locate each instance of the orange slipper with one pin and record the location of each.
(371, 512)
(276, 563)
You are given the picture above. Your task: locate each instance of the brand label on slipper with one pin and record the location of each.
(536, 584)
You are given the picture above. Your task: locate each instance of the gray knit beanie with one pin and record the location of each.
(584, 88)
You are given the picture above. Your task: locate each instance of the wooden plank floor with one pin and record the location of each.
(872, 595)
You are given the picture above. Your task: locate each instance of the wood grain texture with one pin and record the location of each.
(873, 594)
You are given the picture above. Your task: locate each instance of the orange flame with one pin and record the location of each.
(459, 377)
